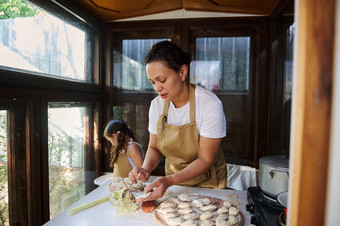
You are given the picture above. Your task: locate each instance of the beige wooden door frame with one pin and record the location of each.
(311, 121)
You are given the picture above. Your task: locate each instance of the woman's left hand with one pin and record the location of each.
(157, 189)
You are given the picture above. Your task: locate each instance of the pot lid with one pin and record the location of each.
(276, 161)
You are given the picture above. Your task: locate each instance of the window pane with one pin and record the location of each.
(66, 146)
(129, 67)
(34, 40)
(4, 217)
(221, 63)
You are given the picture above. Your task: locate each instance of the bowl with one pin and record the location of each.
(123, 205)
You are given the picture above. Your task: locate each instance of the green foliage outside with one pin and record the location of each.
(3, 170)
(17, 8)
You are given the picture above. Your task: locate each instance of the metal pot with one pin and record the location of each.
(274, 175)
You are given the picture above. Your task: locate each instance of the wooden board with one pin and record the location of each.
(214, 201)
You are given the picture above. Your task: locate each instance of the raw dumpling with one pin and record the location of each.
(206, 216)
(232, 220)
(207, 223)
(227, 204)
(168, 204)
(221, 217)
(222, 222)
(185, 211)
(223, 209)
(192, 216)
(233, 211)
(197, 203)
(170, 215)
(183, 205)
(184, 197)
(174, 221)
(167, 210)
(208, 208)
(205, 201)
(189, 222)
(174, 200)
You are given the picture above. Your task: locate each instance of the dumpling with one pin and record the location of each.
(192, 216)
(184, 197)
(227, 204)
(168, 204)
(185, 211)
(233, 210)
(207, 223)
(223, 209)
(197, 203)
(232, 220)
(189, 222)
(208, 208)
(174, 200)
(174, 221)
(183, 205)
(206, 216)
(222, 222)
(221, 217)
(205, 201)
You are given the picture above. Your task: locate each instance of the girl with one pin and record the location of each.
(125, 152)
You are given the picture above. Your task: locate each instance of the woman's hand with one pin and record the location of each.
(158, 188)
(139, 173)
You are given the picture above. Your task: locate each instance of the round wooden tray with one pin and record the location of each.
(214, 201)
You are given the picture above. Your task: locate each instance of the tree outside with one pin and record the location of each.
(4, 219)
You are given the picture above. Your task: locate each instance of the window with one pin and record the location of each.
(4, 215)
(67, 126)
(129, 67)
(222, 63)
(34, 40)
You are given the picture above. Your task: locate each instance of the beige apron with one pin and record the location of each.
(121, 166)
(179, 144)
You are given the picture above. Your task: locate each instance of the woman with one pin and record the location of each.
(186, 125)
(125, 152)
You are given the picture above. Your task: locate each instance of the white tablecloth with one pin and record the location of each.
(105, 214)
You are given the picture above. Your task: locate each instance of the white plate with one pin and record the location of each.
(103, 179)
(282, 198)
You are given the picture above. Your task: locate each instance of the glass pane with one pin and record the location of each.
(66, 146)
(4, 217)
(288, 62)
(34, 40)
(129, 67)
(221, 63)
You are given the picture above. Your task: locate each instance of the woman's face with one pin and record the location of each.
(165, 81)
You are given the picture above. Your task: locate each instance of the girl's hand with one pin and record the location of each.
(158, 188)
(139, 173)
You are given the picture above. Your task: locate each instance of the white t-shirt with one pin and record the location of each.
(209, 115)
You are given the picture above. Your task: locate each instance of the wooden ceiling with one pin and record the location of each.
(111, 10)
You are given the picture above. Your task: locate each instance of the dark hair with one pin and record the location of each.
(172, 55)
(115, 126)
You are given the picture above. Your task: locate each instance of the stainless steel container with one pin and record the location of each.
(274, 174)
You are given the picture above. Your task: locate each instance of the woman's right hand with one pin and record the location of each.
(139, 173)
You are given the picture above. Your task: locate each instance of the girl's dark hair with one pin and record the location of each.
(172, 55)
(115, 126)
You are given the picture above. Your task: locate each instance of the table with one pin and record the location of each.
(105, 214)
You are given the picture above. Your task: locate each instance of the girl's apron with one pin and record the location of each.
(122, 166)
(179, 144)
